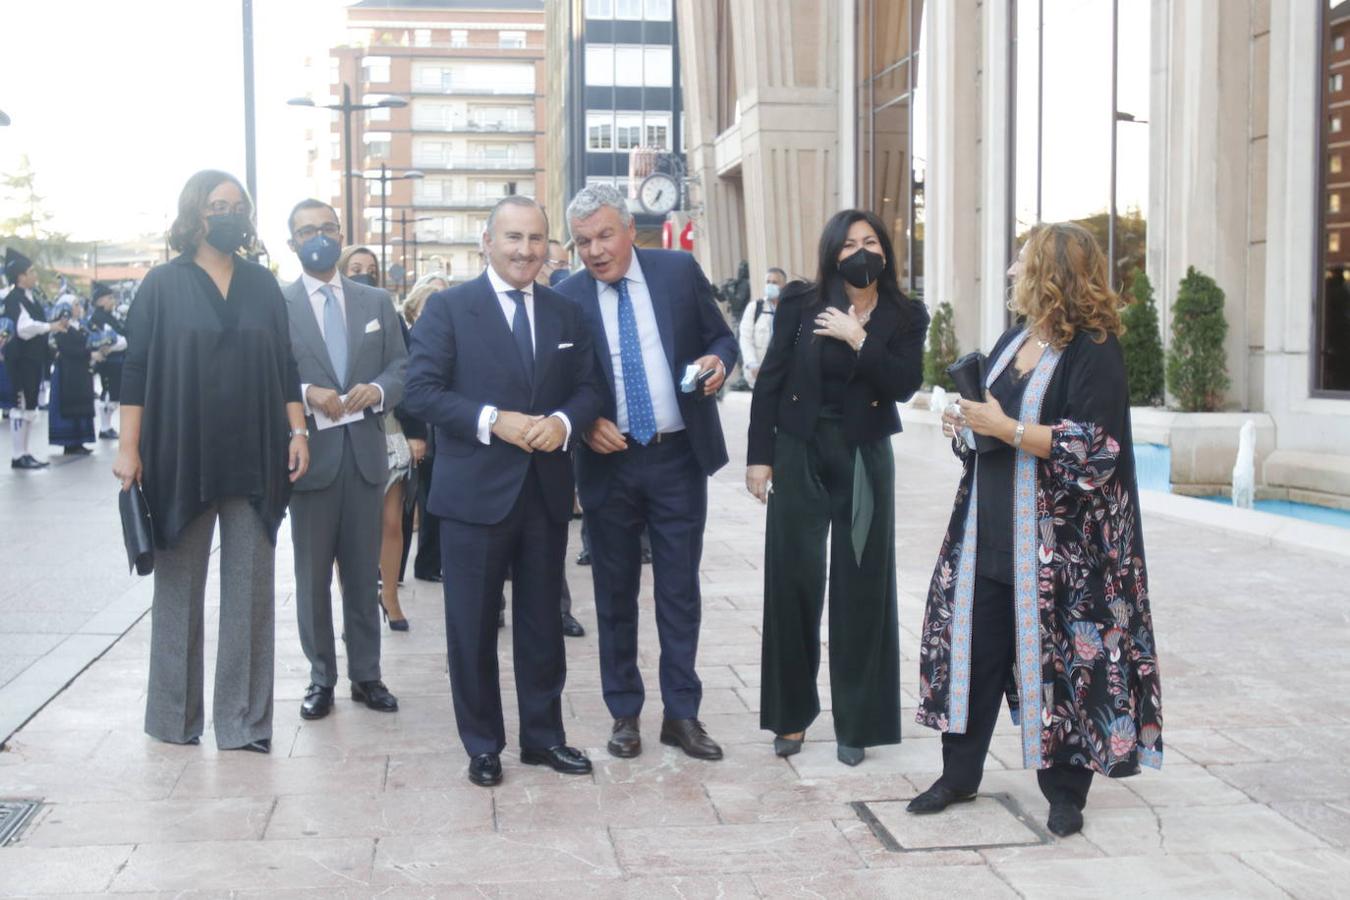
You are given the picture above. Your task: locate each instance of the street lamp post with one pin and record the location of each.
(385, 178)
(403, 223)
(347, 107)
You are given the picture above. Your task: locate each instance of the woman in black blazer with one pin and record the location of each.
(844, 351)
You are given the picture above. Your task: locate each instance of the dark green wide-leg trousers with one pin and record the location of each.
(812, 501)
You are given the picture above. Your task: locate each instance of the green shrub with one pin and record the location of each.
(942, 350)
(1142, 343)
(1197, 369)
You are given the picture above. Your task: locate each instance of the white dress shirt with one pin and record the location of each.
(317, 301)
(508, 307)
(660, 383)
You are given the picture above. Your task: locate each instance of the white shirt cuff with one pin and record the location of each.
(485, 425)
(304, 398)
(567, 423)
(378, 407)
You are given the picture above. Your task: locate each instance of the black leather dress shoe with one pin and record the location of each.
(571, 627)
(41, 464)
(77, 450)
(108, 434)
(374, 695)
(318, 702)
(25, 462)
(584, 558)
(690, 736)
(625, 741)
(485, 769)
(1065, 819)
(936, 799)
(564, 759)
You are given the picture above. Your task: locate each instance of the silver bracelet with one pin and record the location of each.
(299, 432)
(1018, 435)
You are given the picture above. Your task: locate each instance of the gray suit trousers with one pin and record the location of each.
(242, 705)
(339, 523)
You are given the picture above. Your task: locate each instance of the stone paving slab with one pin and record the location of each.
(1251, 801)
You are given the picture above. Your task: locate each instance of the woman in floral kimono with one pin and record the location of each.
(1040, 589)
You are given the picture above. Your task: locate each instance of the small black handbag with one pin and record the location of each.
(968, 374)
(138, 531)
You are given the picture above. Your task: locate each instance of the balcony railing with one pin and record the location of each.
(454, 237)
(475, 127)
(473, 162)
(513, 90)
(456, 202)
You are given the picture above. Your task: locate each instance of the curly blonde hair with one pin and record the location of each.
(1062, 286)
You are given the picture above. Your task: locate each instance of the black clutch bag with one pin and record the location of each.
(968, 374)
(138, 531)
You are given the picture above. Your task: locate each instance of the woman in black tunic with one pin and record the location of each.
(70, 412)
(212, 428)
(1040, 590)
(844, 351)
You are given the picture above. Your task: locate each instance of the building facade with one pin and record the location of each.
(473, 74)
(923, 113)
(615, 104)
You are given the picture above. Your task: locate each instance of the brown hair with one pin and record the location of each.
(348, 252)
(1062, 287)
(187, 230)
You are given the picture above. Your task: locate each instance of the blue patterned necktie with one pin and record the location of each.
(641, 415)
(520, 330)
(335, 333)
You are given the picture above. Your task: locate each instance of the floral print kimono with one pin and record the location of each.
(1085, 689)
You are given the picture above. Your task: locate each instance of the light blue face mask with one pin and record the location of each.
(771, 291)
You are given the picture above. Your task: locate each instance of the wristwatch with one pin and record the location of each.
(300, 432)
(492, 418)
(1018, 434)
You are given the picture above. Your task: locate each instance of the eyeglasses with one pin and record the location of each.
(224, 208)
(327, 229)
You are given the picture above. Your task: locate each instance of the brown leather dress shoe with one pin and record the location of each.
(626, 740)
(690, 736)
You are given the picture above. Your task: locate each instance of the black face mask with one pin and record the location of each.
(364, 278)
(862, 267)
(226, 232)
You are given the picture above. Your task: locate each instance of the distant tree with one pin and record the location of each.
(942, 349)
(25, 226)
(1197, 369)
(1142, 343)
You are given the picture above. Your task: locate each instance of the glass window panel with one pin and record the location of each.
(600, 64)
(511, 40)
(628, 9)
(658, 10)
(459, 37)
(628, 66)
(657, 66)
(599, 9)
(1331, 307)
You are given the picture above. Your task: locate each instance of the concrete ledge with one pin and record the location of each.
(1268, 528)
(1204, 445)
(1320, 473)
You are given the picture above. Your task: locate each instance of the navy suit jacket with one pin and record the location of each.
(691, 326)
(464, 358)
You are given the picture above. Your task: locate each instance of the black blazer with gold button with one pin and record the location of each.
(889, 369)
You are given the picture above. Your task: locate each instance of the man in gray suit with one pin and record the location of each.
(351, 357)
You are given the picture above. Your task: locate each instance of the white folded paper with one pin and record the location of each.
(323, 423)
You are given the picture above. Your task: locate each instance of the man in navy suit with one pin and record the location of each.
(505, 370)
(646, 460)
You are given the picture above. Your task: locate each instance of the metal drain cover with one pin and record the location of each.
(14, 815)
(992, 820)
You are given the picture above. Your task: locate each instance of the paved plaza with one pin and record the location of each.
(1253, 799)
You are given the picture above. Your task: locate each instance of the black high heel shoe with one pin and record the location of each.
(394, 624)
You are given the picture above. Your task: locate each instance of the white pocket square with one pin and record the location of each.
(565, 345)
(372, 325)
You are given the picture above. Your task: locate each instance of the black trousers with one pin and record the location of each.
(662, 487)
(811, 508)
(476, 560)
(427, 563)
(992, 658)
